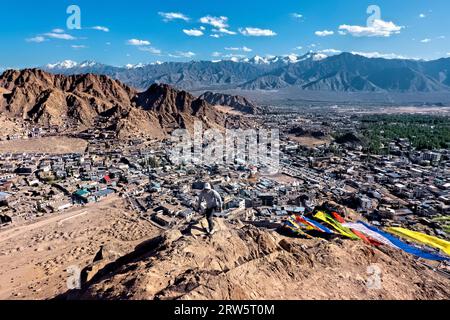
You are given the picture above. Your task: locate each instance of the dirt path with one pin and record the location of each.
(16, 231)
(51, 145)
(34, 258)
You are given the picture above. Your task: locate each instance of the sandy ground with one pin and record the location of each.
(309, 141)
(283, 178)
(228, 110)
(401, 110)
(52, 145)
(35, 258)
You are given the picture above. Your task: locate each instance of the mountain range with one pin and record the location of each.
(345, 72)
(88, 100)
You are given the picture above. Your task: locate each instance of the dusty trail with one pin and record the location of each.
(34, 258)
(60, 218)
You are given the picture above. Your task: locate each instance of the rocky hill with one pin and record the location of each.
(245, 262)
(80, 100)
(238, 103)
(49, 99)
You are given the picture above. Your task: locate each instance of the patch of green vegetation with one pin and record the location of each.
(447, 229)
(441, 219)
(423, 131)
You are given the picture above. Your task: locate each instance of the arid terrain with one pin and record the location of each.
(228, 110)
(308, 141)
(51, 145)
(68, 102)
(35, 259)
(244, 262)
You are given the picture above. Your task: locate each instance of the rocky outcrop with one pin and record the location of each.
(245, 262)
(238, 103)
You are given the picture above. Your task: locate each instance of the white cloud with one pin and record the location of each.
(151, 50)
(257, 32)
(319, 56)
(297, 15)
(188, 54)
(217, 22)
(298, 48)
(182, 54)
(101, 28)
(193, 32)
(54, 34)
(379, 28)
(215, 35)
(78, 46)
(330, 51)
(216, 54)
(137, 42)
(324, 33)
(169, 16)
(422, 15)
(427, 40)
(60, 36)
(379, 55)
(224, 30)
(235, 57)
(244, 49)
(37, 39)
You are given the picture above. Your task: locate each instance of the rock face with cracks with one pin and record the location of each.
(244, 262)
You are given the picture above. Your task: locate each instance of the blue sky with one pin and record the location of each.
(134, 31)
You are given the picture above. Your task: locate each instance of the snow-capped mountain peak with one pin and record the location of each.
(291, 58)
(135, 66)
(286, 59)
(258, 60)
(87, 63)
(142, 65)
(66, 64)
(319, 56)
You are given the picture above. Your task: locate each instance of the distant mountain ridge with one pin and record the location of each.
(344, 72)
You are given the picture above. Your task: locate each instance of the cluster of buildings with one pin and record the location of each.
(404, 187)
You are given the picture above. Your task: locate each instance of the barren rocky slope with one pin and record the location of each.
(55, 99)
(80, 100)
(162, 109)
(243, 262)
(238, 103)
